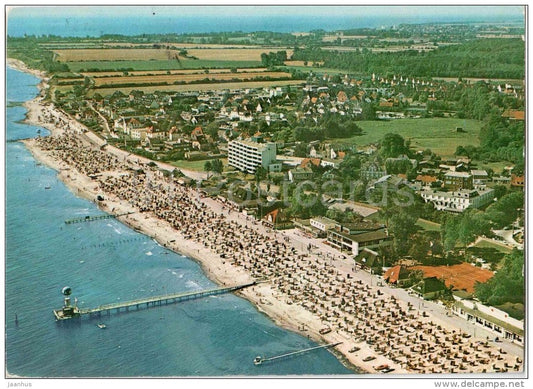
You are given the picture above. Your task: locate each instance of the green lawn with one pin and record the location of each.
(428, 225)
(197, 166)
(159, 65)
(497, 167)
(436, 134)
(488, 244)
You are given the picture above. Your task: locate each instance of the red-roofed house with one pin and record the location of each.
(197, 132)
(277, 219)
(425, 179)
(396, 275)
(517, 180)
(310, 161)
(341, 97)
(514, 114)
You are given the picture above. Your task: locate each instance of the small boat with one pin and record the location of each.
(354, 349)
(381, 367)
(47, 187)
(388, 370)
(368, 359)
(258, 360)
(101, 326)
(325, 330)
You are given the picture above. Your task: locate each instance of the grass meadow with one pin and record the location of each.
(437, 134)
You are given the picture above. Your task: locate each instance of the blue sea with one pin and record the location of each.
(103, 262)
(127, 20)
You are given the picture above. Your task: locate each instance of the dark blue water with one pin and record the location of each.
(104, 262)
(95, 21)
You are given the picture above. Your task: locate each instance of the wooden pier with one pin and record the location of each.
(75, 312)
(93, 218)
(260, 360)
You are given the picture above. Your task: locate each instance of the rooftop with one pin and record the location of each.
(363, 237)
(457, 174)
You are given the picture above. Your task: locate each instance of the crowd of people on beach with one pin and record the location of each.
(403, 334)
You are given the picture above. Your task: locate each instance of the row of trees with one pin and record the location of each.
(465, 228)
(327, 127)
(507, 285)
(273, 59)
(470, 59)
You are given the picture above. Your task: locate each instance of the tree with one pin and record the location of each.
(217, 166)
(420, 245)
(507, 285)
(402, 224)
(393, 145)
(260, 174)
(506, 209)
(368, 112)
(300, 150)
(207, 166)
(212, 130)
(350, 167)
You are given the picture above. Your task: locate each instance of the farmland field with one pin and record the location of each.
(144, 65)
(74, 55)
(192, 87)
(170, 79)
(132, 54)
(157, 72)
(436, 134)
(301, 63)
(232, 54)
(183, 45)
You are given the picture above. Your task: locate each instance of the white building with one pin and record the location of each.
(322, 223)
(246, 156)
(491, 319)
(458, 201)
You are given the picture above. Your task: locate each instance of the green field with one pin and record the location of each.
(436, 134)
(159, 65)
(497, 167)
(197, 166)
(488, 244)
(428, 225)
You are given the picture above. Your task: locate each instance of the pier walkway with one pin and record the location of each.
(260, 360)
(159, 300)
(93, 218)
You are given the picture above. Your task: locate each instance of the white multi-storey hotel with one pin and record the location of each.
(458, 201)
(246, 156)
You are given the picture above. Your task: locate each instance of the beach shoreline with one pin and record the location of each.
(165, 235)
(264, 296)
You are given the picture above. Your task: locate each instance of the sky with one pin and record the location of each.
(476, 12)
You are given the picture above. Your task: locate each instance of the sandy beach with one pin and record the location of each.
(298, 290)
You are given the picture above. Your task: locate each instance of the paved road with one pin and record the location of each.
(508, 236)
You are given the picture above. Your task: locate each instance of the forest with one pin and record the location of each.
(485, 58)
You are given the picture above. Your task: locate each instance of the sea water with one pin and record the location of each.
(105, 262)
(98, 20)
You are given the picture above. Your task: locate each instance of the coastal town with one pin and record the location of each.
(374, 210)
